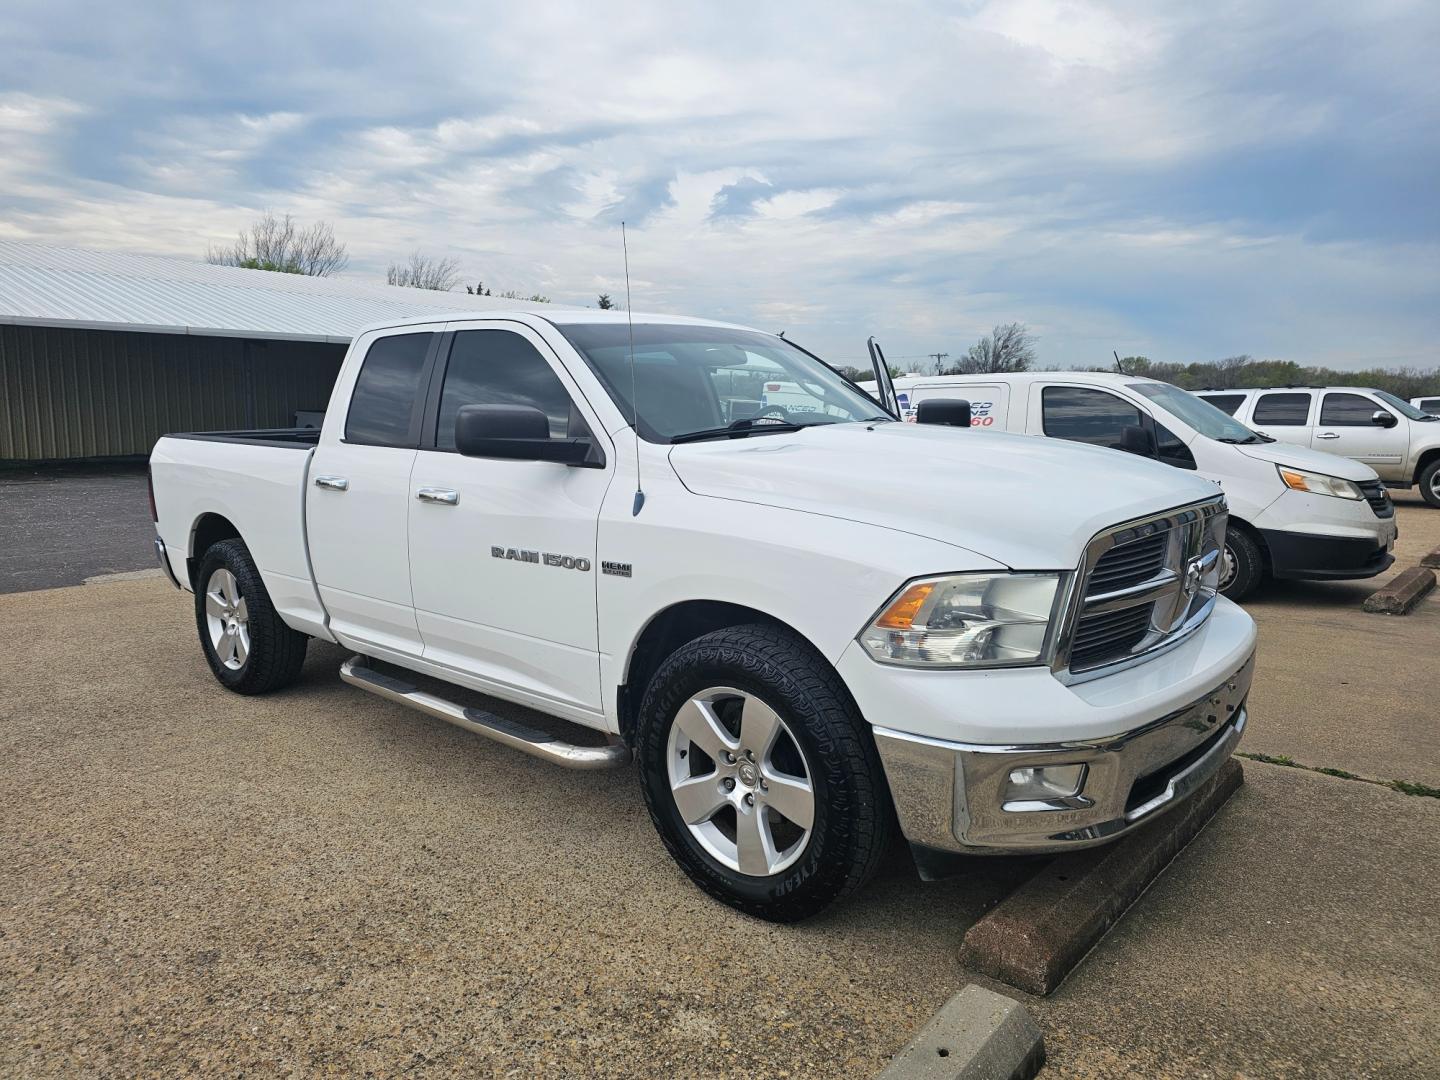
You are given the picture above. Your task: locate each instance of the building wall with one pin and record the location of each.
(105, 393)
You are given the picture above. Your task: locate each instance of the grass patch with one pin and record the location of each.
(1405, 787)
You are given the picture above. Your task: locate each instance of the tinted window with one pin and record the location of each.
(498, 367)
(1226, 403)
(1348, 410)
(1430, 403)
(1088, 416)
(382, 405)
(1282, 410)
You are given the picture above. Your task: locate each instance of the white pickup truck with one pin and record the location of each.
(801, 637)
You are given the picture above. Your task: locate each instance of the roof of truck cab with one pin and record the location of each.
(1292, 389)
(556, 317)
(1029, 376)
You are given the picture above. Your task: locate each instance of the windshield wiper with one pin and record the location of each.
(738, 428)
(1249, 440)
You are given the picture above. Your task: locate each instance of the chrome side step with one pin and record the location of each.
(527, 740)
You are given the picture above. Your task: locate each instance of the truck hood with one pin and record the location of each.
(1029, 503)
(1302, 457)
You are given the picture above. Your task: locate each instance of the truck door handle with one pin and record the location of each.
(1327, 435)
(443, 496)
(332, 483)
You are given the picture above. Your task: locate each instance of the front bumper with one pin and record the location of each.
(952, 796)
(1305, 555)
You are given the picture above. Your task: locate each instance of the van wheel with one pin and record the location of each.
(248, 645)
(761, 775)
(1430, 483)
(1242, 565)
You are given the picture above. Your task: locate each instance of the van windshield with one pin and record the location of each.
(1197, 413)
(714, 382)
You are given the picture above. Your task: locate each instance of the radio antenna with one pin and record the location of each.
(634, 399)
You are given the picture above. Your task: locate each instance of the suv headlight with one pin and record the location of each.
(967, 620)
(1319, 483)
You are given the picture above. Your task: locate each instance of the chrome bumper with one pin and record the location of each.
(164, 559)
(952, 796)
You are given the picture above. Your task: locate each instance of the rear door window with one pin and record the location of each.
(1348, 410)
(1089, 416)
(1282, 410)
(385, 406)
(1226, 403)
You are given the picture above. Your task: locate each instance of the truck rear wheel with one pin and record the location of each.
(248, 646)
(760, 774)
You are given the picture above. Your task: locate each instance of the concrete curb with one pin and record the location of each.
(1036, 936)
(976, 1035)
(1432, 559)
(1404, 591)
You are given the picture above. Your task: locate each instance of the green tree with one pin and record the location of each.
(605, 303)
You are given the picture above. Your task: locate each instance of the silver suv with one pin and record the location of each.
(1400, 442)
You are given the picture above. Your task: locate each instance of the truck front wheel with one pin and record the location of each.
(247, 644)
(760, 774)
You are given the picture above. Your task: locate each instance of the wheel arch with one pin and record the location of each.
(1425, 459)
(671, 628)
(207, 531)
(1256, 536)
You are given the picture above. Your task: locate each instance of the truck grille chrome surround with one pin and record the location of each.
(1144, 586)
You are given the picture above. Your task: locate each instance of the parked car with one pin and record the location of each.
(1395, 438)
(1294, 512)
(1430, 405)
(803, 627)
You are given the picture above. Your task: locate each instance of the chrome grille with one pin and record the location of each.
(1378, 498)
(1144, 585)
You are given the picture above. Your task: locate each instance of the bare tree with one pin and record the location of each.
(425, 272)
(278, 244)
(1010, 347)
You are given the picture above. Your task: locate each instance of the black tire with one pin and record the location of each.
(1429, 481)
(1243, 553)
(853, 818)
(276, 653)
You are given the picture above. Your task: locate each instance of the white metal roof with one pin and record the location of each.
(42, 285)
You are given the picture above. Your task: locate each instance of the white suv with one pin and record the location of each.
(1396, 439)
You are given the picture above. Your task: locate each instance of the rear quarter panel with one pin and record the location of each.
(259, 490)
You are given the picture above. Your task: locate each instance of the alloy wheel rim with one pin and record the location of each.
(740, 781)
(227, 619)
(1435, 483)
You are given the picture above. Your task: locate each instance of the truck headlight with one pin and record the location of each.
(967, 620)
(1319, 483)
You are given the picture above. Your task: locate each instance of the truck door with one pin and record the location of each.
(1347, 427)
(357, 499)
(1284, 415)
(502, 552)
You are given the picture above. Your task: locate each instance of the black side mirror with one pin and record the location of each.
(1135, 439)
(949, 412)
(515, 433)
(1381, 418)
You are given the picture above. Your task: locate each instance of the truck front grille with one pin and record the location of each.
(1145, 585)
(1378, 498)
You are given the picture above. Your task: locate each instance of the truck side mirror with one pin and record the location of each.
(1135, 439)
(514, 433)
(1381, 418)
(949, 412)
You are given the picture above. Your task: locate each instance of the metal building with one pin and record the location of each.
(102, 352)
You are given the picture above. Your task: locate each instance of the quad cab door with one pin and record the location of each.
(502, 552)
(357, 497)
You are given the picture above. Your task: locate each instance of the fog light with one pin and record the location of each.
(1045, 782)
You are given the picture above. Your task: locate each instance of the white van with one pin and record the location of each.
(1294, 512)
(1396, 439)
(1430, 405)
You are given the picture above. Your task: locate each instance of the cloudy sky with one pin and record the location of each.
(1185, 181)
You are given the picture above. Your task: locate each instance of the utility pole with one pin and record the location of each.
(937, 357)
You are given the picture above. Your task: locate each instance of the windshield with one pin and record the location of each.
(1402, 406)
(696, 379)
(1196, 412)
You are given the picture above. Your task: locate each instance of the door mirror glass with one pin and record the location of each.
(1381, 418)
(515, 433)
